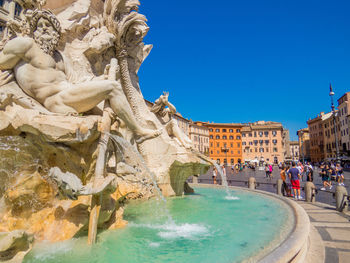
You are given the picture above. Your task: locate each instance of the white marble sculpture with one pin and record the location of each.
(68, 82)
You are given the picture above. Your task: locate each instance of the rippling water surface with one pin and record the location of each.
(208, 228)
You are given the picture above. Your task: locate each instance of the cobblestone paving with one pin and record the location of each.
(334, 229)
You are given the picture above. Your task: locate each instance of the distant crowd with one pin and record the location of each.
(297, 172)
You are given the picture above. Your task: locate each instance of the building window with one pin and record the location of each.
(217, 130)
(18, 9)
(261, 141)
(267, 142)
(261, 134)
(255, 142)
(274, 133)
(231, 130)
(243, 134)
(217, 137)
(210, 129)
(232, 161)
(244, 143)
(250, 134)
(255, 134)
(231, 137)
(274, 141)
(261, 150)
(211, 152)
(231, 144)
(266, 133)
(218, 145)
(275, 149)
(211, 137)
(238, 137)
(239, 152)
(224, 137)
(267, 150)
(238, 130)
(238, 144)
(211, 144)
(231, 152)
(250, 143)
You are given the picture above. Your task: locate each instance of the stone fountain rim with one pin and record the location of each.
(294, 247)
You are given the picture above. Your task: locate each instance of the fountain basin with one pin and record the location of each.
(255, 226)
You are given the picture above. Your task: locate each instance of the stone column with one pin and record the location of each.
(340, 198)
(309, 192)
(252, 183)
(279, 186)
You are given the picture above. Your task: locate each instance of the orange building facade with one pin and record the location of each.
(225, 142)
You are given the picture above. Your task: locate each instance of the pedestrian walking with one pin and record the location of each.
(270, 171)
(325, 174)
(340, 175)
(215, 172)
(267, 171)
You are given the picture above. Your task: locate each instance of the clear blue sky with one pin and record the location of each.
(243, 61)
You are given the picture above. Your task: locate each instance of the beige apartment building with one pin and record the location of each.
(263, 141)
(343, 113)
(295, 151)
(316, 131)
(304, 144)
(199, 134)
(329, 137)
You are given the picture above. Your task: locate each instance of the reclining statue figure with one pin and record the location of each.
(41, 73)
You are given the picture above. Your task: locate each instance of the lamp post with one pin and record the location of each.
(331, 94)
(225, 150)
(302, 145)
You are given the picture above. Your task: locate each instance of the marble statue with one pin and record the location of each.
(41, 73)
(68, 89)
(165, 110)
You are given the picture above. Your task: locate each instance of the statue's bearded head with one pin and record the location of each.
(46, 30)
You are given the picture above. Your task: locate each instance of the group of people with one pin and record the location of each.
(295, 174)
(331, 172)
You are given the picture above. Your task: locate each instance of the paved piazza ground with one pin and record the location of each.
(239, 179)
(330, 230)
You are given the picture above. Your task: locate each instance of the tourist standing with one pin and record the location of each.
(309, 172)
(294, 176)
(285, 190)
(267, 171)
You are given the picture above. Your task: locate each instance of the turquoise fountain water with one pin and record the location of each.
(208, 228)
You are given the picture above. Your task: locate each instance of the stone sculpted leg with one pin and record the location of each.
(121, 107)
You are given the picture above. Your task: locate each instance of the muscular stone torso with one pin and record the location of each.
(39, 75)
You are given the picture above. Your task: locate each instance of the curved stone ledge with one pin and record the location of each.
(295, 247)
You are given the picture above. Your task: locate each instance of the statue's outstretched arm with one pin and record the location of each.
(14, 51)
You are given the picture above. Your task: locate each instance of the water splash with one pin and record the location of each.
(229, 195)
(172, 231)
(125, 145)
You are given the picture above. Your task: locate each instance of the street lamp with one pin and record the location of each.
(331, 94)
(302, 145)
(225, 150)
